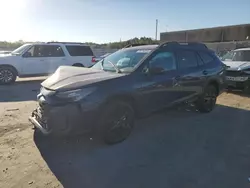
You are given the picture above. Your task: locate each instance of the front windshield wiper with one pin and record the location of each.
(116, 68)
(102, 64)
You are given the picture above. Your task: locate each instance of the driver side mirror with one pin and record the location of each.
(27, 54)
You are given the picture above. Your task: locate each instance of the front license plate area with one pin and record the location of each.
(236, 79)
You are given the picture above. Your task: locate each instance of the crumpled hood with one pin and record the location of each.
(68, 78)
(237, 65)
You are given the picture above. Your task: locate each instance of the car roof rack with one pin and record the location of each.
(133, 45)
(179, 44)
(66, 43)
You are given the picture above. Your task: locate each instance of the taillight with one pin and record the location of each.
(93, 60)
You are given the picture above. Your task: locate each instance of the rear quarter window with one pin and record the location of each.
(205, 57)
(79, 50)
(186, 59)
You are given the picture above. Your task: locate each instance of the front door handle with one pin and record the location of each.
(205, 72)
(177, 78)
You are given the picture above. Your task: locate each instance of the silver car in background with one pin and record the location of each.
(238, 68)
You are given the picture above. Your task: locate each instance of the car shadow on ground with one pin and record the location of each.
(175, 148)
(20, 91)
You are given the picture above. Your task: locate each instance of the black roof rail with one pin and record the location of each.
(66, 42)
(178, 44)
(133, 45)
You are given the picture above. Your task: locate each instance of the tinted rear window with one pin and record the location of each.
(186, 59)
(206, 58)
(79, 50)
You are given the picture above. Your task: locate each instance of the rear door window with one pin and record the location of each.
(206, 58)
(200, 62)
(79, 50)
(186, 59)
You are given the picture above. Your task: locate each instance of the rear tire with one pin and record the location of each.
(8, 75)
(207, 100)
(117, 122)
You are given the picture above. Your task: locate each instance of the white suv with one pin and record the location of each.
(43, 59)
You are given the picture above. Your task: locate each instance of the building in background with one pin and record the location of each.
(217, 38)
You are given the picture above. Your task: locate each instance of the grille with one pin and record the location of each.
(233, 73)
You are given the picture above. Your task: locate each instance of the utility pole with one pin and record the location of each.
(156, 28)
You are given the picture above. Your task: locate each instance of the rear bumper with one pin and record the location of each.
(63, 120)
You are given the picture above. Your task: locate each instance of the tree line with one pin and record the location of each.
(10, 45)
(111, 45)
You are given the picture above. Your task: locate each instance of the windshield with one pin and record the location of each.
(124, 60)
(21, 49)
(242, 55)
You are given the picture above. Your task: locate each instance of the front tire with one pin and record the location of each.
(207, 100)
(8, 75)
(117, 122)
(77, 65)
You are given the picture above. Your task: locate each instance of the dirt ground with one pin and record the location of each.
(175, 148)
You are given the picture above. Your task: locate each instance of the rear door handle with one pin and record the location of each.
(176, 81)
(177, 78)
(205, 72)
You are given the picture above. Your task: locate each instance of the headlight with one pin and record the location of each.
(75, 95)
(247, 71)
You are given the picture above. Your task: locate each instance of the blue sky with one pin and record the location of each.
(111, 20)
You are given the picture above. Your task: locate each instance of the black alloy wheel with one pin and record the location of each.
(7, 75)
(207, 101)
(118, 122)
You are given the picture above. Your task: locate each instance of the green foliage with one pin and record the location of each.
(10, 45)
(121, 44)
(142, 40)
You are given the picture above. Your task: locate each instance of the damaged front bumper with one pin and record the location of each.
(36, 121)
(237, 79)
(62, 120)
